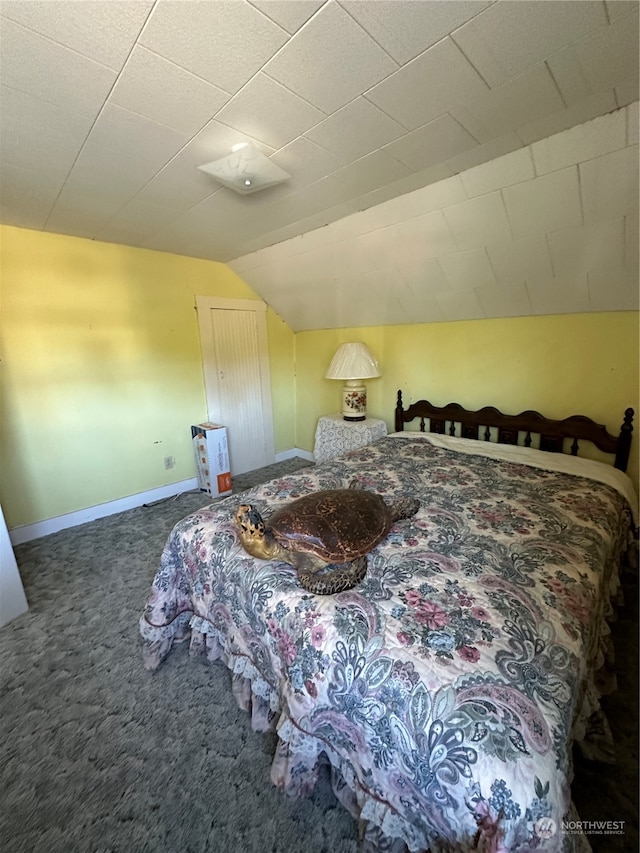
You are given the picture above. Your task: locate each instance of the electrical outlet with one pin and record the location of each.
(169, 461)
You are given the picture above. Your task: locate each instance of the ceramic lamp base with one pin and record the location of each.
(354, 401)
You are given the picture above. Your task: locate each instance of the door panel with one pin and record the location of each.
(236, 370)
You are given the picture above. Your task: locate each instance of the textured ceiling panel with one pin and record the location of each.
(500, 240)
(447, 159)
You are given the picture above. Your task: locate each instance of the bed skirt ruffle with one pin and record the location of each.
(298, 757)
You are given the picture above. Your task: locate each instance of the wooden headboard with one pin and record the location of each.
(509, 427)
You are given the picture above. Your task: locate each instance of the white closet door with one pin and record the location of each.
(235, 356)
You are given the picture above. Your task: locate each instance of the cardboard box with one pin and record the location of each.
(212, 458)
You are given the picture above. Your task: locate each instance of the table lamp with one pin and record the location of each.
(353, 362)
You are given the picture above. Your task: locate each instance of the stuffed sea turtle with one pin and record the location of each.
(328, 530)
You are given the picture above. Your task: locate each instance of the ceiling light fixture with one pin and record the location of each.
(246, 170)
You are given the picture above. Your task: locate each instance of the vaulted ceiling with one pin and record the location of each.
(429, 116)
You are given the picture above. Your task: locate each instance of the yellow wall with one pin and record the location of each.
(560, 365)
(101, 370)
(282, 362)
(102, 373)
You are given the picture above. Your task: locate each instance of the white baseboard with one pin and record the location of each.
(27, 532)
(292, 453)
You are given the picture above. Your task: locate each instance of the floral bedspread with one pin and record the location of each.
(447, 687)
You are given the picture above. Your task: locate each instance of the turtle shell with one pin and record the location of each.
(338, 525)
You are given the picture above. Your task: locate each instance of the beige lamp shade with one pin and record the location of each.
(352, 363)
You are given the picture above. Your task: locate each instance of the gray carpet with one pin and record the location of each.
(99, 756)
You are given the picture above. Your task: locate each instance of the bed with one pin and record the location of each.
(447, 688)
